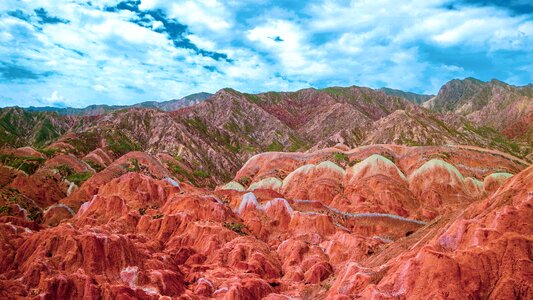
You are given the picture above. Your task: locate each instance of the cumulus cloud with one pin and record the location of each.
(125, 51)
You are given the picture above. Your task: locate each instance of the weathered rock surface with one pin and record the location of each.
(375, 222)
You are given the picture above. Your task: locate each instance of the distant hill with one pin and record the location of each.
(413, 97)
(493, 104)
(94, 110)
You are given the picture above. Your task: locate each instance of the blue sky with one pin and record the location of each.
(77, 53)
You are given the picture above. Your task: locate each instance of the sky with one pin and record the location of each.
(76, 52)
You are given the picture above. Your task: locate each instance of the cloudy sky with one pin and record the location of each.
(76, 52)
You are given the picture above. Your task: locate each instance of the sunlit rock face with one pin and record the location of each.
(375, 222)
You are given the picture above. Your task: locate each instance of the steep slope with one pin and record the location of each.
(493, 104)
(193, 154)
(21, 128)
(455, 94)
(418, 126)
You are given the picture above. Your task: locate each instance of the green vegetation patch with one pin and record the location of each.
(64, 170)
(253, 98)
(176, 169)
(335, 91)
(96, 166)
(236, 227)
(35, 214)
(275, 146)
(86, 142)
(134, 166)
(5, 209)
(120, 144)
(388, 156)
(72, 176)
(497, 139)
(340, 157)
(297, 144)
(28, 164)
(201, 173)
(197, 124)
(79, 178)
(49, 152)
(46, 133)
(354, 162)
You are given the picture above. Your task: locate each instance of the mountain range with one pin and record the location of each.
(94, 110)
(220, 132)
(334, 193)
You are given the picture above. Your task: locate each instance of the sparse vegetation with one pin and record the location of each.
(245, 181)
(200, 174)
(157, 216)
(70, 175)
(232, 127)
(275, 146)
(35, 214)
(86, 142)
(353, 162)
(64, 170)
(5, 210)
(197, 124)
(237, 227)
(48, 152)
(79, 178)
(142, 211)
(97, 167)
(253, 98)
(176, 169)
(119, 143)
(134, 166)
(340, 158)
(28, 164)
(296, 144)
(443, 155)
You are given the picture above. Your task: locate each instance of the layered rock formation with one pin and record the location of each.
(375, 222)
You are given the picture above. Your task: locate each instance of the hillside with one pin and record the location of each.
(217, 135)
(493, 104)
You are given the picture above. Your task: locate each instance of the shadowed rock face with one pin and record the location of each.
(375, 222)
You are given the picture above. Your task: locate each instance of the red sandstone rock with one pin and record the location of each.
(22, 152)
(482, 253)
(343, 231)
(99, 157)
(76, 165)
(134, 161)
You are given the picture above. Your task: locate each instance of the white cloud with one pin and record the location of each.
(202, 42)
(102, 56)
(202, 15)
(287, 41)
(55, 99)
